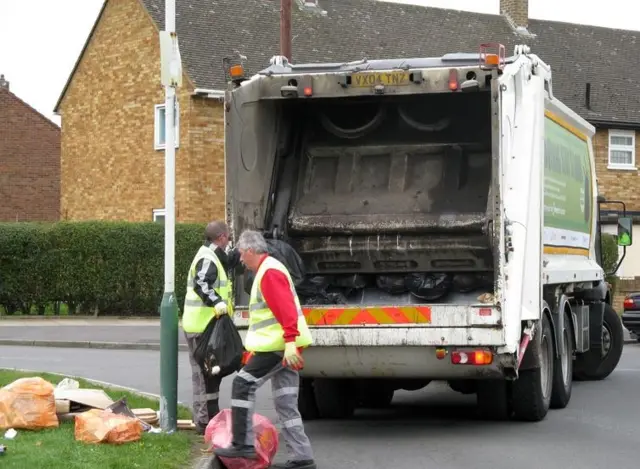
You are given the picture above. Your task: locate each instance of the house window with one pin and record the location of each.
(158, 215)
(160, 123)
(622, 149)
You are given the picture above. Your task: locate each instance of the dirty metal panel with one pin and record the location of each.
(389, 362)
(459, 251)
(422, 184)
(407, 336)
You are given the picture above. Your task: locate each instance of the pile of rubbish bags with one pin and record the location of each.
(34, 404)
(334, 289)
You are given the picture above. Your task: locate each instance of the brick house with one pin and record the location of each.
(29, 161)
(112, 105)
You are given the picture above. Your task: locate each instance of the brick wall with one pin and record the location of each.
(206, 190)
(615, 184)
(110, 169)
(29, 162)
(516, 10)
(623, 288)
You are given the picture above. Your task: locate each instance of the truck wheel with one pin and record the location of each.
(591, 367)
(531, 392)
(335, 398)
(563, 369)
(492, 397)
(307, 400)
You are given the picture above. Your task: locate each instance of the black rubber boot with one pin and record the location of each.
(246, 452)
(308, 464)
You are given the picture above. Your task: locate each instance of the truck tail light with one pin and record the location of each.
(453, 79)
(472, 357)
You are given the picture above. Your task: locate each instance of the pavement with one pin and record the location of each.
(431, 428)
(107, 333)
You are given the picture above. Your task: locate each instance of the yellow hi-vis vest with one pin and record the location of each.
(196, 314)
(265, 333)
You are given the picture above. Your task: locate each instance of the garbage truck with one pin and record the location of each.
(444, 214)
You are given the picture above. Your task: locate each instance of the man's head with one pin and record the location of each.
(217, 233)
(252, 247)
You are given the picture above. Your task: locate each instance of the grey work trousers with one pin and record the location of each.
(206, 389)
(284, 385)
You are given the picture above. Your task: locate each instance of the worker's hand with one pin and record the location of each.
(220, 309)
(292, 357)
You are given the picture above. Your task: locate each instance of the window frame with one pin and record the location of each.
(159, 212)
(156, 126)
(622, 133)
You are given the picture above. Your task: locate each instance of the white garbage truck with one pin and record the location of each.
(442, 219)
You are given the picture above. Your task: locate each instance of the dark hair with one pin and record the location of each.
(214, 230)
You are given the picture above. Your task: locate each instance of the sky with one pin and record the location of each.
(40, 40)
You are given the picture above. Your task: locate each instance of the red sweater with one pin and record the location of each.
(276, 292)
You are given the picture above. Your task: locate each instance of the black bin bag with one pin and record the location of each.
(219, 350)
(285, 253)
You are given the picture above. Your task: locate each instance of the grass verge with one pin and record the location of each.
(57, 449)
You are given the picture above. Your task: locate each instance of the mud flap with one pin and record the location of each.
(596, 318)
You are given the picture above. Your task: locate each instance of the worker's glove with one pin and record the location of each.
(220, 309)
(292, 357)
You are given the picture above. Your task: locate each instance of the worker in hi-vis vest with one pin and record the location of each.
(276, 336)
(208, 297)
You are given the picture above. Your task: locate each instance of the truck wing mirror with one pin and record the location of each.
(625, 231)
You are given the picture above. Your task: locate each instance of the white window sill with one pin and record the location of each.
(161, 147)
(620, 167)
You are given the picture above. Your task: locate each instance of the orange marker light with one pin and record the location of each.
(236, 71)
(308, 91)
(491, 59)
(440, 353)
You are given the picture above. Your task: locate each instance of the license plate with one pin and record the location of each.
(366, 79)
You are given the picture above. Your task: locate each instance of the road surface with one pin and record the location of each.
(434, 428)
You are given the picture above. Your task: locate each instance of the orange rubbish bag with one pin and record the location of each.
(28, 404)
(103, 426)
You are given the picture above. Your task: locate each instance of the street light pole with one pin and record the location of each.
(169, 305)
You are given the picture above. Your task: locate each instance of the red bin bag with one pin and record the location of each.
(218, 434)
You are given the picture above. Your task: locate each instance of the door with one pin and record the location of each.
(521, 95)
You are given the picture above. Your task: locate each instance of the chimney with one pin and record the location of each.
(4, 83)
(516, 12)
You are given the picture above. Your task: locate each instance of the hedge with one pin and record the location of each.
(610, 259)
(107, 268)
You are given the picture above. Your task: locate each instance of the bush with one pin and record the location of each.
(108, 268)
(610, 258)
